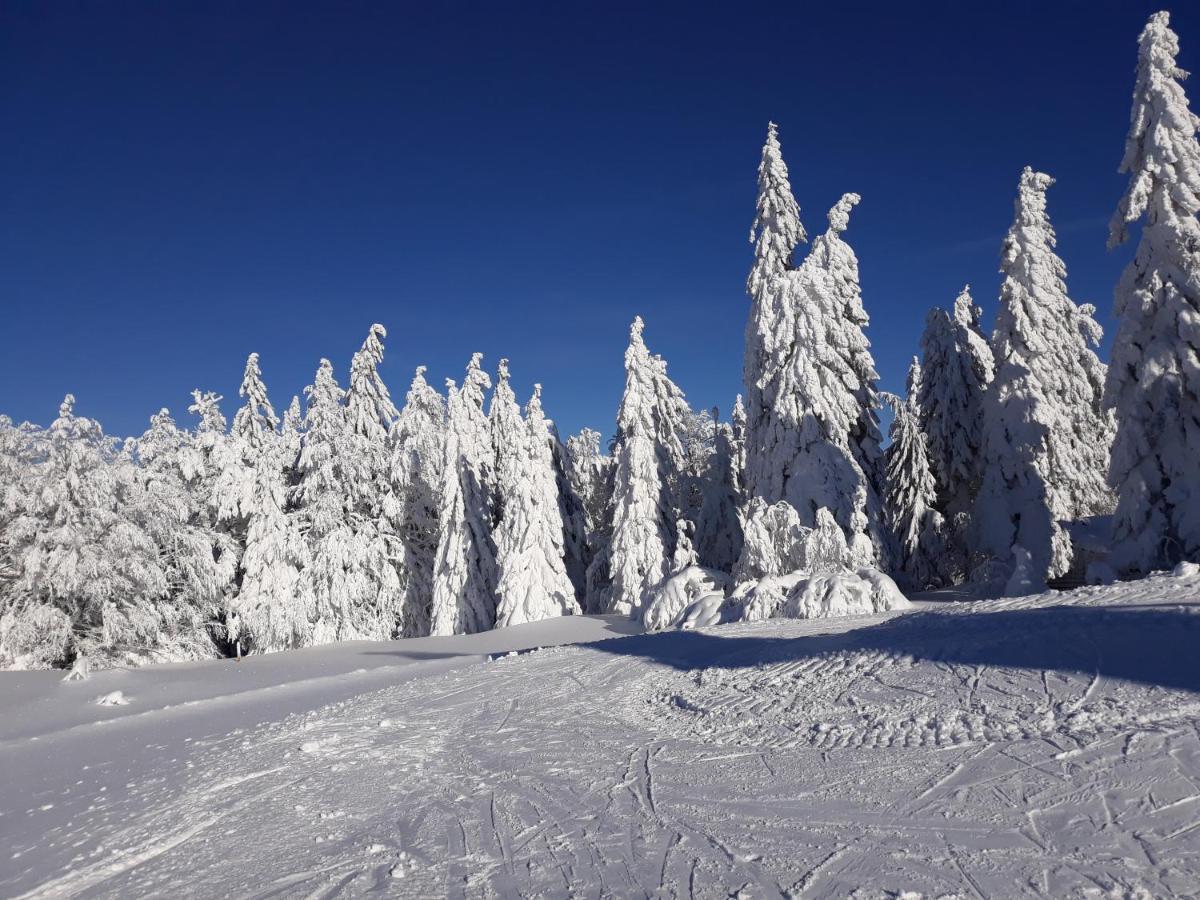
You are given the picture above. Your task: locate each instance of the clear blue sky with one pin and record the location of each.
(183, 183)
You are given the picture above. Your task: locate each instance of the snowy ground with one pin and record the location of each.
(1047, 746)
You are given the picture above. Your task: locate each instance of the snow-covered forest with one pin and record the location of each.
(1017, 460)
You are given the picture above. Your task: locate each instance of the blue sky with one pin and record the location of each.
(184, 183)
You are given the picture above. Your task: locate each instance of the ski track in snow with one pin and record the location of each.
(1044, 747)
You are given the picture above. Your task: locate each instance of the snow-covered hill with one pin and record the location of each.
(1046, 746)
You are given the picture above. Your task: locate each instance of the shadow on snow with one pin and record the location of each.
(1149, 645)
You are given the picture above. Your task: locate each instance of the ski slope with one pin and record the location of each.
(1047, 746)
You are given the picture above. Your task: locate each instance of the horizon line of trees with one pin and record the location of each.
(350, 518)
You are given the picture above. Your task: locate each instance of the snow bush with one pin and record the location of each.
(34, 636)
(671, 598)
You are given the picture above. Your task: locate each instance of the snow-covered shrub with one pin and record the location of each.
(36, 636)
(773, 542)
(668, 600)
(862, 593)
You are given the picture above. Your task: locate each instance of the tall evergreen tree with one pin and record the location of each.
(719, 529)
(349, 584)
(590, 474)
(847, 338)
(532, 582)
(255, 422)
(1154, 379)
(464, 585)
(649, 460)
(912, 493)
(90, 581)
(418, 451)
(1046, 436)
(956, 369)
(775, 233)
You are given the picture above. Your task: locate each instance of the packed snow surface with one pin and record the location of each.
(1039, 746)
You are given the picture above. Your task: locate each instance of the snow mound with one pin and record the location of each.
(862, 593)
(669, 601)
(1186, 570)
(819, 595)
(116, 698)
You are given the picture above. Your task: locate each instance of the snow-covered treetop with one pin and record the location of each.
(256, 419)
(476, 382)
(776, 230)
(839, 216)
(369, 405)
(66, 409)
(206, 406)
(1161, 153)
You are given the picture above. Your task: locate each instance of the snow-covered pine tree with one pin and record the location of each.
(369, 408)
(418, 457)
(847, 338)
(738, 422)
(349, 585)
(255, 423)
(508, 436)
(1154, 379)
(719, 531)
(811, 457)
(956, 368)
(171, 505)
(590, 474)
(89, 579)
(649, 460)
(577, 553)
(775, 233)
(273, 608)
(290, 429)
(912, 492)
(464, 582)
(1046, 436)
(533, 582)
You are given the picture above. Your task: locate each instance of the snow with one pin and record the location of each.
(1043, 745)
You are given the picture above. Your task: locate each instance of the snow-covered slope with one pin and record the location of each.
(1046, 746)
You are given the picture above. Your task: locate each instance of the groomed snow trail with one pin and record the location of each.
(1047, 746)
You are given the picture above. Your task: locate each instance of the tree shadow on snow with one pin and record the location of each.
(1148, 645)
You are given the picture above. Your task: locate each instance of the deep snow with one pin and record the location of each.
(1040, 746)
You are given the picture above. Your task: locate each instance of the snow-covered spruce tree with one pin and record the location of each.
(255, 423)
(577, 552)
(1046, 437)
(738, 422)
(956, 368)
(171, 505)
(1154, 378)
(464, 580)
(719, 531)
(912, 492)
(349, 585)
(649, 458)
(697, 436)
(273, 609)
(418, 452)
(775, 233)
(848, 339)
(590, 473)
(811, 457)
(369, 408)
(291, 428)
(508, 436)
(533, 582)
(89, 579)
